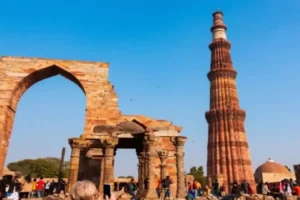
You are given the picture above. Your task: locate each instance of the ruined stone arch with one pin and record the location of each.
(36, 76)
(17, 74)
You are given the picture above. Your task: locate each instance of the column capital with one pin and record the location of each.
(110, 142)
(149, 138)
(78, 143)
(180, 154)
(180, 140)
(163, 155)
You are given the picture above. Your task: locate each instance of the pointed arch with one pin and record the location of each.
(24, 84)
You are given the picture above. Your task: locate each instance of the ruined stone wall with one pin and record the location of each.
(17, 74)
(166, 144)
(297, 173)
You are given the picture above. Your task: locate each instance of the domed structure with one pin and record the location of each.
(271, 167)
(272, 171)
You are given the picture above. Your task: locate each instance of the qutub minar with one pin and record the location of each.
(228, 157)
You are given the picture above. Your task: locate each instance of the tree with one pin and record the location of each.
(126, 177)
(46, 167)
(198, 173)
(288, 168)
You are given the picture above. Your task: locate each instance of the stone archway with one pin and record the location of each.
(17, 74)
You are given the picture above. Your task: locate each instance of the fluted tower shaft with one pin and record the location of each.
(228, 156)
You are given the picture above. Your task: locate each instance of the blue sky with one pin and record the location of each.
(159, 57)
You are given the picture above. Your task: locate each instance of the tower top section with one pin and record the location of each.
(219, 28)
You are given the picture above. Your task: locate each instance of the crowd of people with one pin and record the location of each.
(276, 190)
(286, 187)
(12, 188)
(162, 187)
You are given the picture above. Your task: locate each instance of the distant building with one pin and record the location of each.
(272, 172)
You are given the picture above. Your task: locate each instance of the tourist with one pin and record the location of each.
(191, 192)
(52, 187)
(86, 190)
(166, 183)
(40, 188)
(235, 190)
(245, 187)
(158, 185)
(14, 187)
(33, 189)
(47, 188)
(26, 187)
(61, 186)
(131, 189)
(215, 188)
(265, 190)
(3, 187)
(296, 189)
(259, 188)
(222, 190)
(291, 183)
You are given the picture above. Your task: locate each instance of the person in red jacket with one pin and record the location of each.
(40, 187)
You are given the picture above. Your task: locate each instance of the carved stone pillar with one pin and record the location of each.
(109, 150)
(101, 181)
(163, 155)
(146, 166)
(142, 168)
(151, 154)
(74, 162)
(181, 190)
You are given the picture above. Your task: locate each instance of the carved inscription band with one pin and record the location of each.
(231, 143)
(234, 162)
(222, 73)
(220, 43)
(219, 114)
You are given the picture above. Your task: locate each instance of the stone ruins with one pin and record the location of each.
(158, 145)
(159, 148)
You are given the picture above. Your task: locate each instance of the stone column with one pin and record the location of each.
(181, 191)
(163, 155)
(74, 162)
(109, 150)
(101, 181)
(142, 163)
(151, 154)
(146, 166)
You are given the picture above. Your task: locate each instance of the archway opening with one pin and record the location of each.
(46, 115)
(126, 168)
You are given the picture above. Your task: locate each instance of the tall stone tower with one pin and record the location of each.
(228, 157)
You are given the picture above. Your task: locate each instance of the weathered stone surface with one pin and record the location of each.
(228, 152)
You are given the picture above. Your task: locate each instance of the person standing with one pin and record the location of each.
(40, 188)
(245, 187)
(131, 189)
(33, 193)
(47, 188)
(166, 186)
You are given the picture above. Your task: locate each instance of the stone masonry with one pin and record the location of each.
(297, 173)
(228, 157)
(158, 145)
